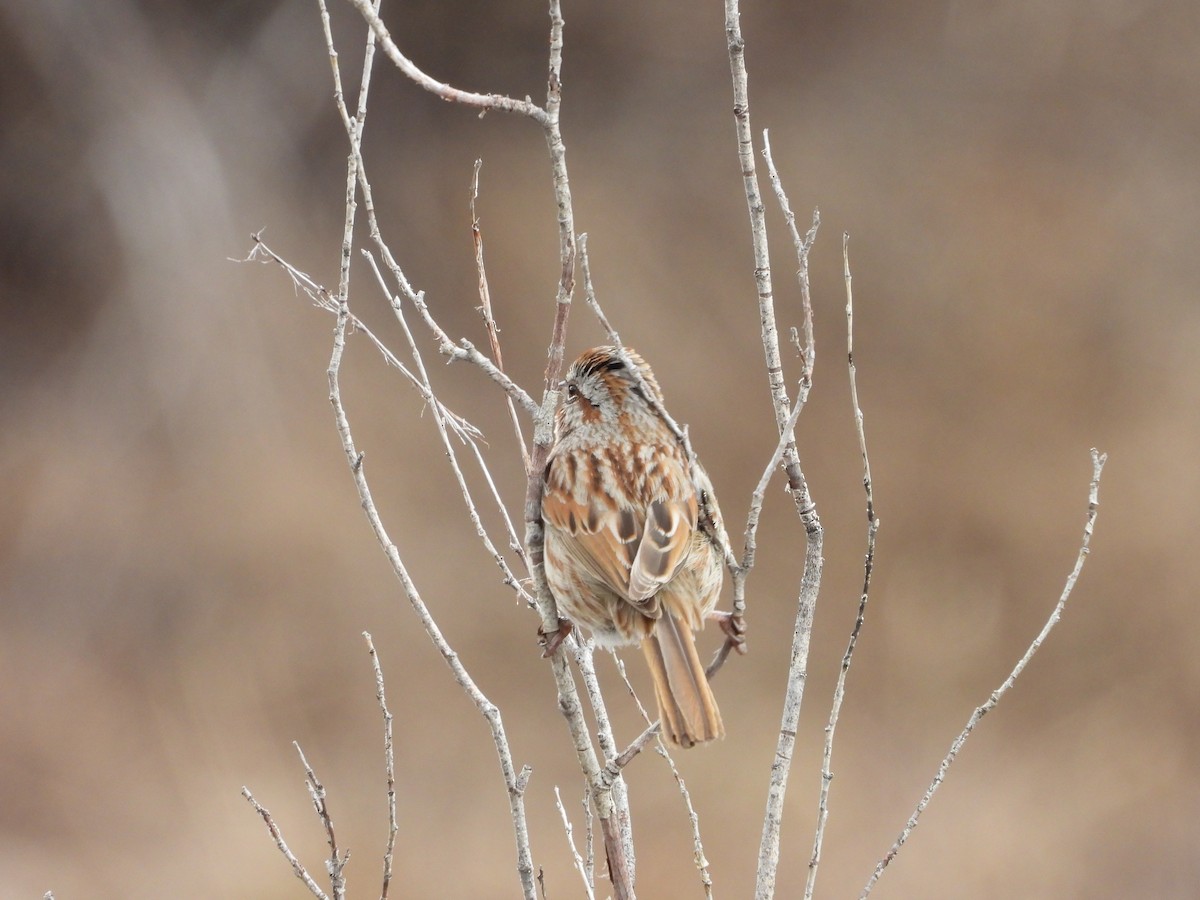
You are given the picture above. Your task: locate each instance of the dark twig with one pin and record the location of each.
(485, 308)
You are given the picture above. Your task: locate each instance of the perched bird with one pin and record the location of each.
(624, 554)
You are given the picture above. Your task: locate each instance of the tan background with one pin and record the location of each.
(184, 570)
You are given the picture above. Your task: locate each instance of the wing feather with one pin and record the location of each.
(631, 551)
(663, 547)
(603, 540)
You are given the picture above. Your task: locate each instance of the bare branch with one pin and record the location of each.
(336, 862)
(324, 299)
(297, 866)
(698, 855)
(589, 296)
(510, 578)
(483, 102)
(489, 710)
(802, 245)
(609, 779)
(839, 692)
(485, 308)
(389, 757)
(1098, 461)
(754, 202)
(768, 856)
(584, 873)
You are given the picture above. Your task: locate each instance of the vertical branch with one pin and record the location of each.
(611, 780)
(839, 692)
(810, 582)
(485, 308)
(337, 861)
(543, 435)
(614, 824)
(584, 873)
(389, 758)
(758, 221)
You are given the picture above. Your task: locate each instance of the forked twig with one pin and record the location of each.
(482, 102)
(337, 861)
(699, 857)
(487, 709)
(810, 583)
(1098, 461)
(803, 245)
(297, 866)
(839, 692)
(548, 117)
(580, 866)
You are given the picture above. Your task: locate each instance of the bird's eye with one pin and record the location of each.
(572, 392)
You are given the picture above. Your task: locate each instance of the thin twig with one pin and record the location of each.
(277, 836)
(589, 294)
(698, 855)
(337, 861)
(485, 308)
(803, 245)
(325, 299)
(481, 532)
(1098, 461)
(839, 692)
(584, 873)
(389, 756)
(489, 710)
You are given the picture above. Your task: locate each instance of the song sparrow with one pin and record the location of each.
(624, 554)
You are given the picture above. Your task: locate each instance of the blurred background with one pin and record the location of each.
(185, 571)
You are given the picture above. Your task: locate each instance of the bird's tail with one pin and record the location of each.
(686, 705)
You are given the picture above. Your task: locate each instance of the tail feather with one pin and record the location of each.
(686, 705)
